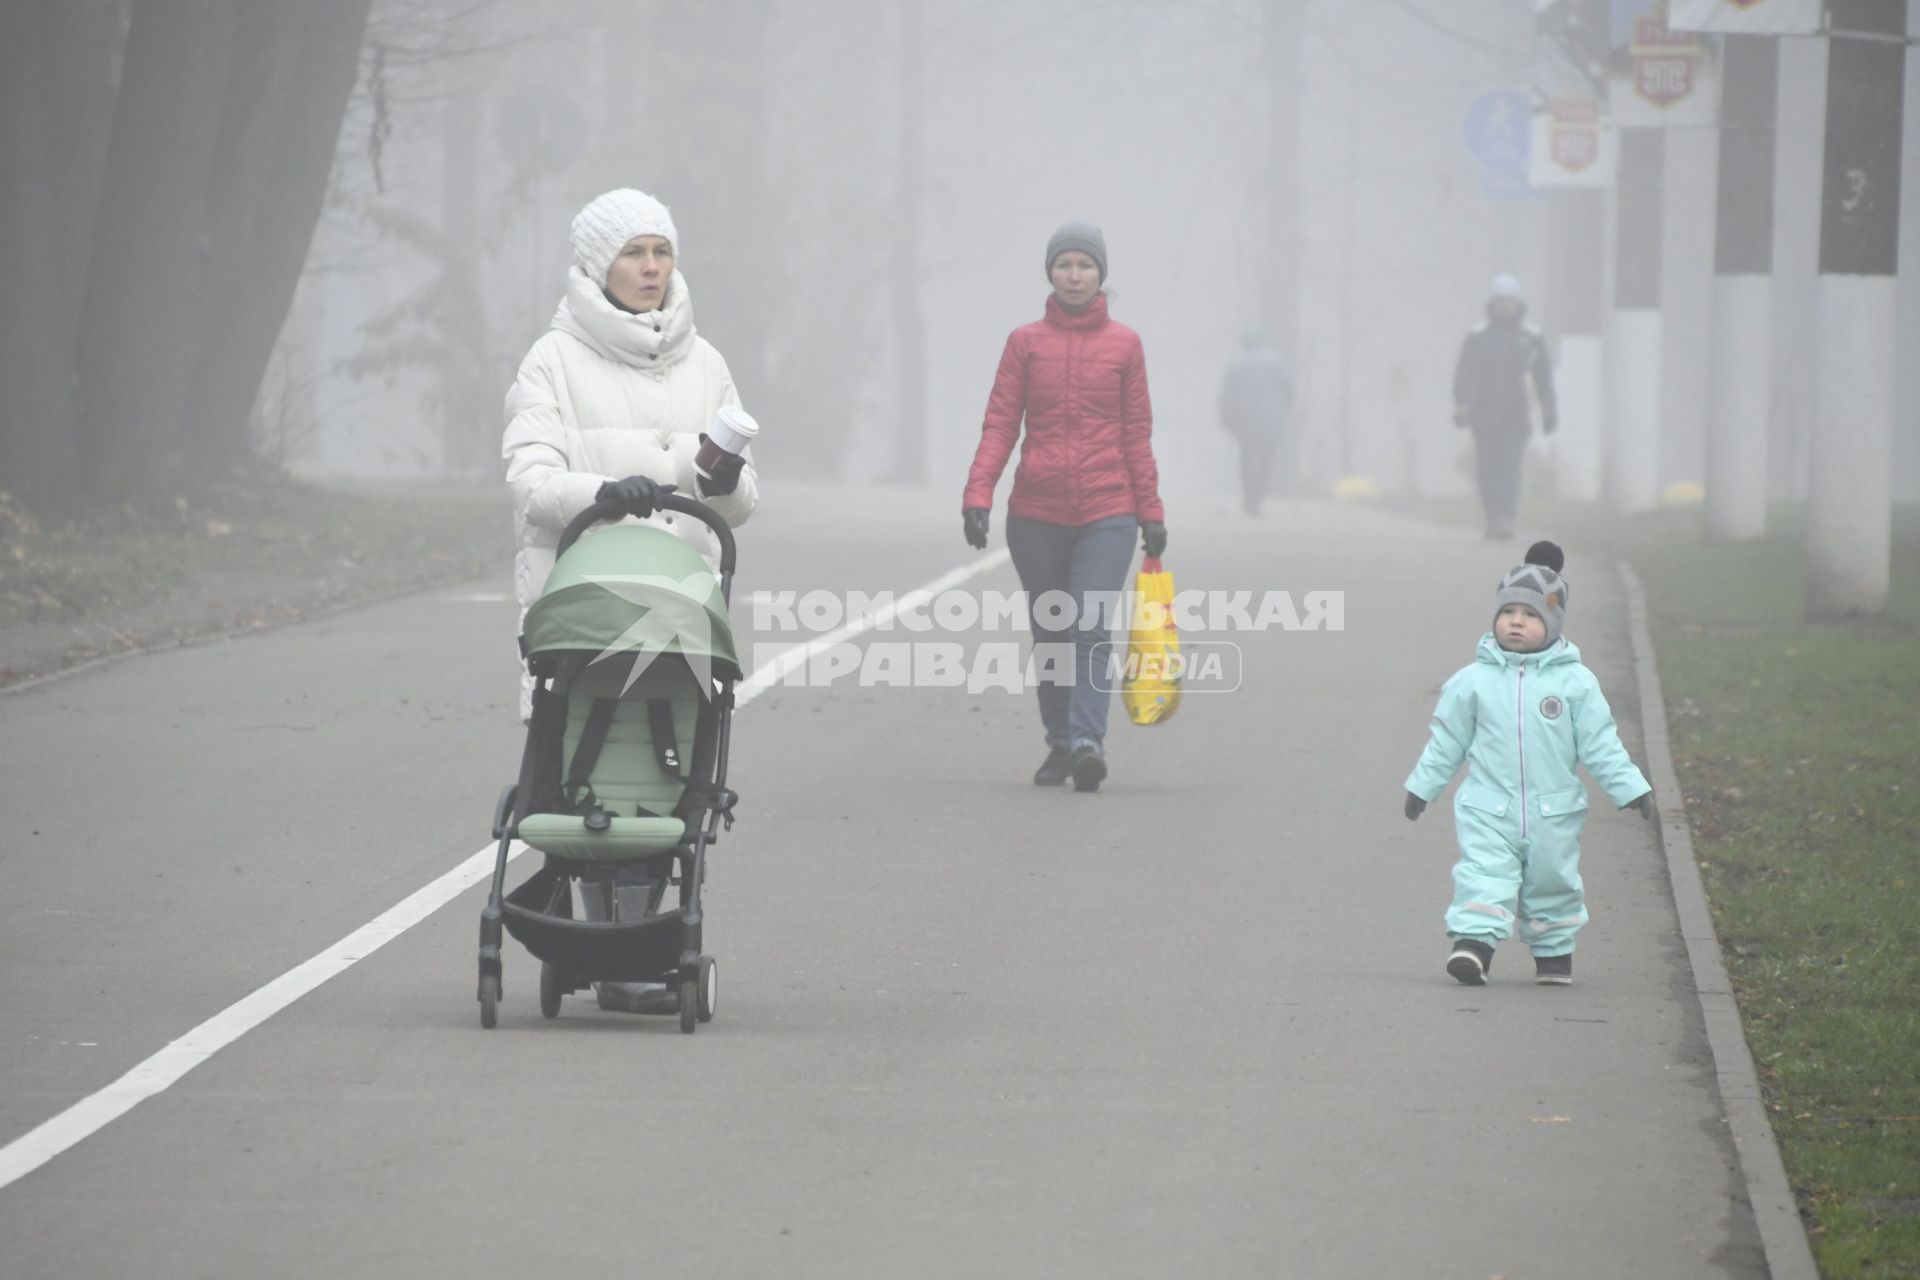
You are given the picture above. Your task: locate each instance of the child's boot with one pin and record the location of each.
(1553, 971)
(1470, 961)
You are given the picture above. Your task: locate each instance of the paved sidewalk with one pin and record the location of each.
(1194, 1025)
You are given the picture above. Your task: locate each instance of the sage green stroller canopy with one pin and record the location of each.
(630, 590)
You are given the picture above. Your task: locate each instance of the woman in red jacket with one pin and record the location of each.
(1085, 484)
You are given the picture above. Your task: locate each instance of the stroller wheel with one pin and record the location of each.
(707, 996)
(489, 999)
(689, 1005)
(550, 991)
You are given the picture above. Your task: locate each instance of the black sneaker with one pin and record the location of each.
(1089, 768)
(1055, 769)
(1553, 971)
(1470, 962)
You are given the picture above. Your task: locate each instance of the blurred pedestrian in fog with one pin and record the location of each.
(1490, 398)
(1255, 397)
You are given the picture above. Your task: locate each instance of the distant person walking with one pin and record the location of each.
(1255, 398)
(1490, 398)
(1085, 485)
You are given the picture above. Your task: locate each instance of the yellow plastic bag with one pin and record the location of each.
(1151, 686)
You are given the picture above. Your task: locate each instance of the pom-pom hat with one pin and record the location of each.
(1538, 585)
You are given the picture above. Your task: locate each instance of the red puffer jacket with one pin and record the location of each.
(1080, 381)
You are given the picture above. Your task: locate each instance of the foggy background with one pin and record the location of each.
(864, 190)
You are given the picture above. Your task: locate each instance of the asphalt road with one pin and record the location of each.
(1196, 1024)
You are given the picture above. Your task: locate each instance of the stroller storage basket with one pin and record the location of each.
(640, 951)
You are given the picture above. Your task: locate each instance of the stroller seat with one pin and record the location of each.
(640, 771)
(561, 835)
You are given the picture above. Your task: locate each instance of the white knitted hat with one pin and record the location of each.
(603, 228)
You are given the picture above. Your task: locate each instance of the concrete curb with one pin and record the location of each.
(1775, 1211)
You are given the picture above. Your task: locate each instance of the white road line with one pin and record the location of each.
(792, 658)
(32, 1149)
(161, 1071)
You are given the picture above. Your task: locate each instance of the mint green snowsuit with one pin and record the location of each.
(1522, 722)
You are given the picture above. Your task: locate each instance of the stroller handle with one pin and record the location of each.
(671, 502)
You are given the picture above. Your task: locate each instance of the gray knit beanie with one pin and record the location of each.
(602, 229)
(1538, 585)
(1083, 236)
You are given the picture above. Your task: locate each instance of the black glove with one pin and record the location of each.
(1415, 806)
(975, 520)
(724, 478)
(1153, 538)
(1644, 803)
(636, 495)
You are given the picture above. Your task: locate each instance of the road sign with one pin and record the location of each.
(1672, 76)
(1497, 131)
(1573, 145)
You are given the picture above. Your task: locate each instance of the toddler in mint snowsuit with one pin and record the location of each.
(1523, 716)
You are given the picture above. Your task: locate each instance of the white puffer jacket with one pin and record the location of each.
(607, 394)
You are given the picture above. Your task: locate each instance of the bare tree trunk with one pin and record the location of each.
(280, 127)
(137, 337)
(56, 103)
(1283, 22)
(470, 430)
(909, 323)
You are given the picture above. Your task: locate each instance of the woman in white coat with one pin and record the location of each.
(612, 402)
(613, 399)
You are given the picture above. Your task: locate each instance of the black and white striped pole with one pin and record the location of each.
(1576, 241)
(1849, 487)
(1632, 444)
(1737, 427)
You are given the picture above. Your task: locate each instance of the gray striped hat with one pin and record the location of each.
(1538, 585)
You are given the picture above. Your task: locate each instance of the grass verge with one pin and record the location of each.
(268, 552)
(1798, 748)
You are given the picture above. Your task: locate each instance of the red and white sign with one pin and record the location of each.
(1573, 145)
(1663, 63)
(1672, 79)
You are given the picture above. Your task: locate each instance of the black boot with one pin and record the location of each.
(1055, 769)
(1089, 768)
(1470, 961)
(1553, 971)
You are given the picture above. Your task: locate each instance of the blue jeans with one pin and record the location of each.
(1085, 561)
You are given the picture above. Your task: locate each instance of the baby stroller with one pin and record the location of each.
(623, 779)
